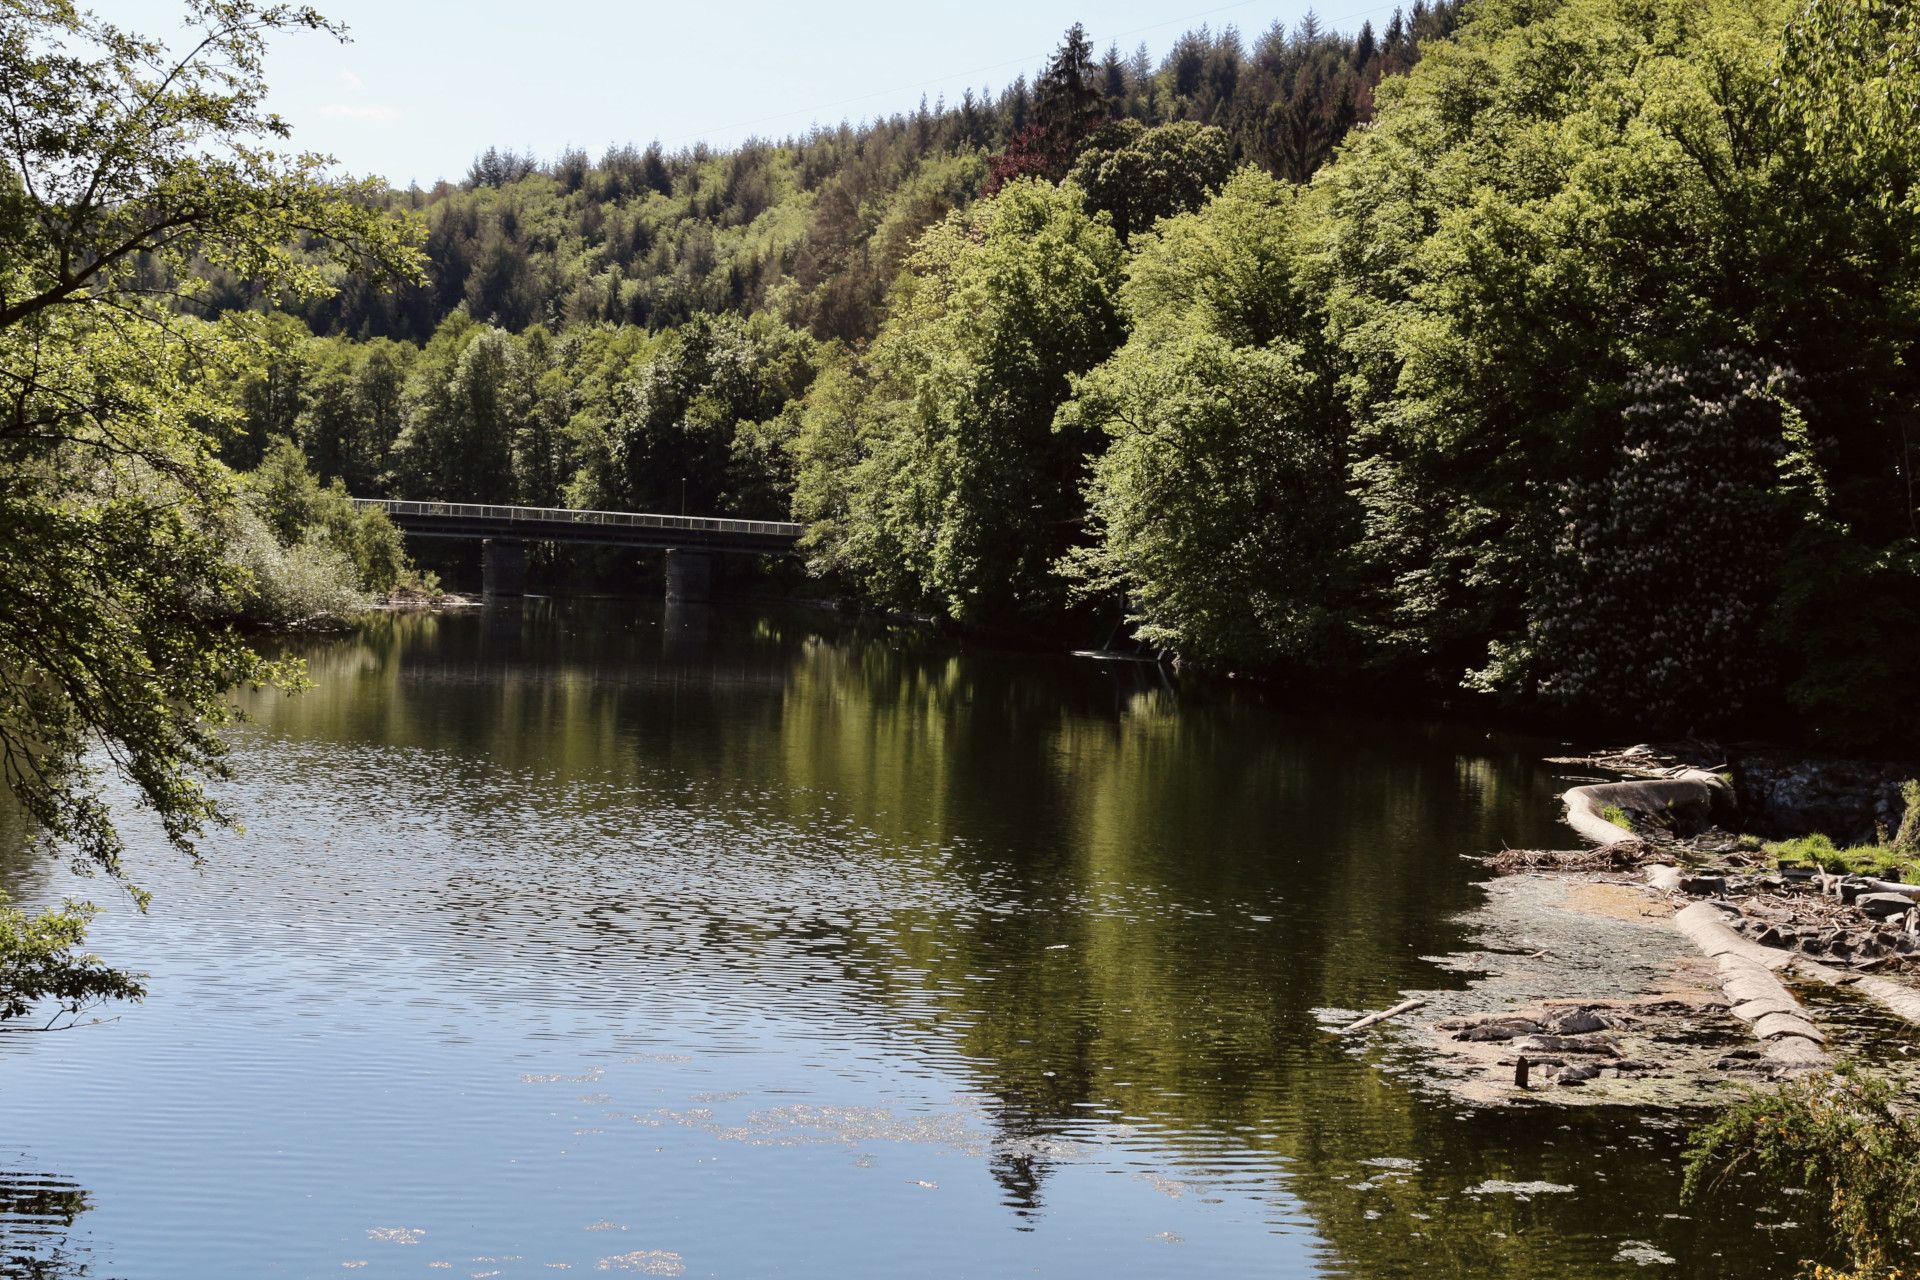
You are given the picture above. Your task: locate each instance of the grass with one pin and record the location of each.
(1820, 853)
(1617, 816)
(1894, 857)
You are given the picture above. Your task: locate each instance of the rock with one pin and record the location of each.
(1578, 1022)
(1789, 1054)
(1883, 906)
(1704, 886)
(1754, 1010)
(1784, 796)
(1744, 988)
(1837, 943)
(1506, 1029)
(1579, 1073)
(1570, 1044)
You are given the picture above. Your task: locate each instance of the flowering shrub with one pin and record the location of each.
(1655, 592)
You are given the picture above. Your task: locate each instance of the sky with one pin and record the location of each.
(426, 85)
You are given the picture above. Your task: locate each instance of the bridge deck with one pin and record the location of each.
(608, 528)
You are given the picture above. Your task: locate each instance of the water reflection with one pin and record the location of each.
(968, 962)
(37, 1213)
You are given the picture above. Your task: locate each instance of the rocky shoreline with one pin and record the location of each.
(1661, 969)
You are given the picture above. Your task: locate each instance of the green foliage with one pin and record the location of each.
(684, 429)
(1892, 858)
(931, 468)
(1656, 581)
(1555, 214)
(124, 163)
(1584, 372)
(1068, 106)
(43, 970)
(1820, 852)
(1907, 839)
(1138, 175)
(1220, 505)
(1617, 816)
(813, 229)
(311, 552)
(1845, 615)
(1846, 1139)
(303, 583)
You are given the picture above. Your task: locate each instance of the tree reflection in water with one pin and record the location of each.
(37, 1214)
(1075, 922)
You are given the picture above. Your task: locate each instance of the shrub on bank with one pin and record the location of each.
(1842, 1137)
(308, 581)
(310, 554)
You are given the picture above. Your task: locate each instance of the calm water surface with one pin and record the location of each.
(728, 943)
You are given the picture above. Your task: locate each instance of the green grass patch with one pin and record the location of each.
(1819, 852)
(1617, 816)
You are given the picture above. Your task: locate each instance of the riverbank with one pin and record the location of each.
(1671, 963)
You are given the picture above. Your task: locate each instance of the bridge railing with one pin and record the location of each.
(569, 515)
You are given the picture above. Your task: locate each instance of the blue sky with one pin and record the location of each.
(427, 84)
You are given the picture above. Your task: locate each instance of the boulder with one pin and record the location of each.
(1787, 795)
(1579, 1022)
(1771, 1026)
(1687, 803)
(1754, 1010)
(1789, 1054)
(1883, 906)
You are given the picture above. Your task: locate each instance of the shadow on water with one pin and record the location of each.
(1071, 924)
(37, 1215)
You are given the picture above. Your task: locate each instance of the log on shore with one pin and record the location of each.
(1361, 1024)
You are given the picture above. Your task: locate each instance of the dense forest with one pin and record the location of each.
(1562, 350)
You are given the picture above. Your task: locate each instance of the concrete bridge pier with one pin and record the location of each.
(689, 575)
(503, 567)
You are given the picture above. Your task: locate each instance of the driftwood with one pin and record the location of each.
(1361, 1024)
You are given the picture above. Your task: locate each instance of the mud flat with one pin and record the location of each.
(1589, 981)
(1652, 971)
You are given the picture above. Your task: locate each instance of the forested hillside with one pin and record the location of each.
(814, 228)
(1562, 349)
(624, 333)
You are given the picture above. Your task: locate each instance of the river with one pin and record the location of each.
(743, 942)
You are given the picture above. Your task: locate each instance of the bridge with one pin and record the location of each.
(503, 532)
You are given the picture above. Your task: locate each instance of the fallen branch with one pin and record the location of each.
(1361, 1024)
